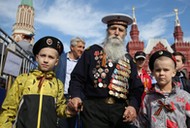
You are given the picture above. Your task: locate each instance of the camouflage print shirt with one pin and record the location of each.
(165, 110)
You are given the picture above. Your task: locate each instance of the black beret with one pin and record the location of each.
(48, 41)
(158, 54)
(140, 54)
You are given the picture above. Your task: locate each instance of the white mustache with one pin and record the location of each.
(115, 37)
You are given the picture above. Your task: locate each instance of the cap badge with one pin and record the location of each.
(161, 52)
(49, 41)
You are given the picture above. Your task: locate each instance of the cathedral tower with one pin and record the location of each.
(179, 45)
(23, 29)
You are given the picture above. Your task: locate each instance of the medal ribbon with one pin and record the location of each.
(117, 87)
(161, 106)
(104, 60)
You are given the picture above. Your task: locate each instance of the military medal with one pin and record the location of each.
(103, 75)
(110, 64)
(100, 85)
(106, 70)
(100, 70)
(96, 75)
(94, 71)
(105, 85)
(111, 92)
(96, 54)
(96, 58)
(118, 86)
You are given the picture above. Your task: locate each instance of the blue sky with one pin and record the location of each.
(66, 19)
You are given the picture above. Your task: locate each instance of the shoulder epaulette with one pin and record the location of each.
(88, 48)
(93, 46)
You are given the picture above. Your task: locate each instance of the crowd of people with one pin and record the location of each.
(101, 86)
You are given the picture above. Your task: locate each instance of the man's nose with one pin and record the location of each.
(117, 31)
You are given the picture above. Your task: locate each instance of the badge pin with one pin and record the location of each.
(100, 85)
(96, 57)
(111, 92)
(106, 70)
(110, 64)
(49, 41)
(105, 85)
(103, 75)
(100, 70)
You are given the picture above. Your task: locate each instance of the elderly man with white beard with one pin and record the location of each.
(105, 87)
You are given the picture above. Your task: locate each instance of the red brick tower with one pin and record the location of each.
(179, 45)
(134, 45)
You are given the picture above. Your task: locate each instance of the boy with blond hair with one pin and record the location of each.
(165, 105)
(36, 98)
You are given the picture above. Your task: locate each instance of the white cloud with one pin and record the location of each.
(72, 17)
(82, 18)
(8, 8)
(153, 29)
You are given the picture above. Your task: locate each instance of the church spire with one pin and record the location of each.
(134, 44)
(134, 18)
(178, 33)
(177, 22)
(134, 33)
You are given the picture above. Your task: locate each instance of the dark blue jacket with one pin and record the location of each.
(83, 81)
(60, 69)
(184, 80)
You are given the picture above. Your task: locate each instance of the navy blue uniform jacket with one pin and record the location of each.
(82, 79)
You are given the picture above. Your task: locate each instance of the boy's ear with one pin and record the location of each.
(174, 73)
(57, 61)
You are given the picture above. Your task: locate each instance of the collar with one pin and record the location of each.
(175, 88)
(68, 58)
(39, 73)
(41, 76)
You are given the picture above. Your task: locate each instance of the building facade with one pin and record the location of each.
(159, 44)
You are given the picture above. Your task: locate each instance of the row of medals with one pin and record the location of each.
(119, 83)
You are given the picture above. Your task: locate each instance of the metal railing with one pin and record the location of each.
(7, 43)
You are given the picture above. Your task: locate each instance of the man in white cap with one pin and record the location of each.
(104, 85)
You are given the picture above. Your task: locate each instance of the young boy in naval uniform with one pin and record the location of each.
(166, 105)
(36, 98)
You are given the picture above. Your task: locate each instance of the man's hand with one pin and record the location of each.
(70, 112)
(75, 104)
(130, 114)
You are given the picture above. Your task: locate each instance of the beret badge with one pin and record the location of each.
(161, 52)
(49, 41)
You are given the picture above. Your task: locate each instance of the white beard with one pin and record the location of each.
(114, 48)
